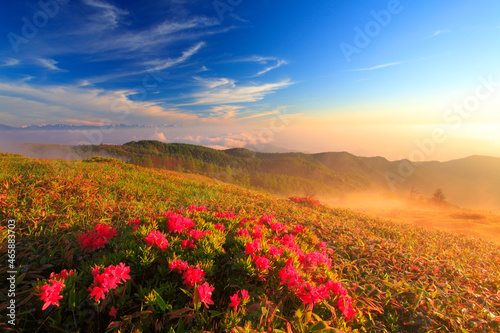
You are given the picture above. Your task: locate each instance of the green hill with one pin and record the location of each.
(469, 182)
(102, 245)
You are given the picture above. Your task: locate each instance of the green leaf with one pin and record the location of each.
(318, 326)
(180, 327)
(159, 301)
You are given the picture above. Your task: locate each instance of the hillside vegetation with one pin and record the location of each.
(472, 182)
(102, 245)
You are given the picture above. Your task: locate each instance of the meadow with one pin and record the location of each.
(105, 246)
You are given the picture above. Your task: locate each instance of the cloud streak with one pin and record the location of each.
(56, 103)
(49, 64)
(376, 67)
(10, 62)
(226, 91)
(278, 64)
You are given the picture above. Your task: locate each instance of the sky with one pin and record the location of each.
(416, 80)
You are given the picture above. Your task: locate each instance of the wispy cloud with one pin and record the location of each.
(376, 67)
(278, 64)
(10, 62)
(218, 91)
(225, 111)
(89, 104)
(258, 115)
(108, 15)
(160, 65)
(149, 66)
(440, 32)
(49, 64)
(261, 60)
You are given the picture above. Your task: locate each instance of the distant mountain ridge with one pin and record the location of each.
(473, 181)
(77, 127)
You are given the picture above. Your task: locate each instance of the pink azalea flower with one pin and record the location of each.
(235, 301)
(336, 288)
(178, 223)
(298, 229)
(96, 238)
(274, 251)
(267, 219)
(156, 237)
(220, 227)
(192, 276)
(51, 293)
(262, 263)
(188, 243)
(112, 276)
(179, 265)
(243, 232)
(205, 294)
(345, 305)
(250, 248)
(196, 234)
(244, 294)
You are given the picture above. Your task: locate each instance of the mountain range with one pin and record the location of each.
(473, 181)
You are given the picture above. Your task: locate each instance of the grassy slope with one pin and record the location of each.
(402, 279)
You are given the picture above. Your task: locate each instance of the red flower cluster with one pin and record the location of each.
(112, 276)
(193, 208)
(220, 227)
(156, 237)
(177, 223)
(188, 243)
(194, 276)
(205, 294)
(227, 215)
(135, 223)
(97, 238)
(196, 234)
(251, 248)
(301, 279)
(235, 300)
(179, 265)
(345, 305)
(243, 233)
(51, 292)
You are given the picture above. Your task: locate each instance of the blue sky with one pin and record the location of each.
(371, 78)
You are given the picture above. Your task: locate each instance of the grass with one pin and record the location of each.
(399, 278)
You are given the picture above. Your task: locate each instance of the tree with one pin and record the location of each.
(438, 197)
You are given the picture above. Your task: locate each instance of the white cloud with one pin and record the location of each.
(109, 14)
(154, 65)
(218, 91)
(278, 64)
(49, 64)
(376, 67)
(10, 62)
(56, 103)
(225, 111)
(263, 61)
(160, 65)
(158, 136)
